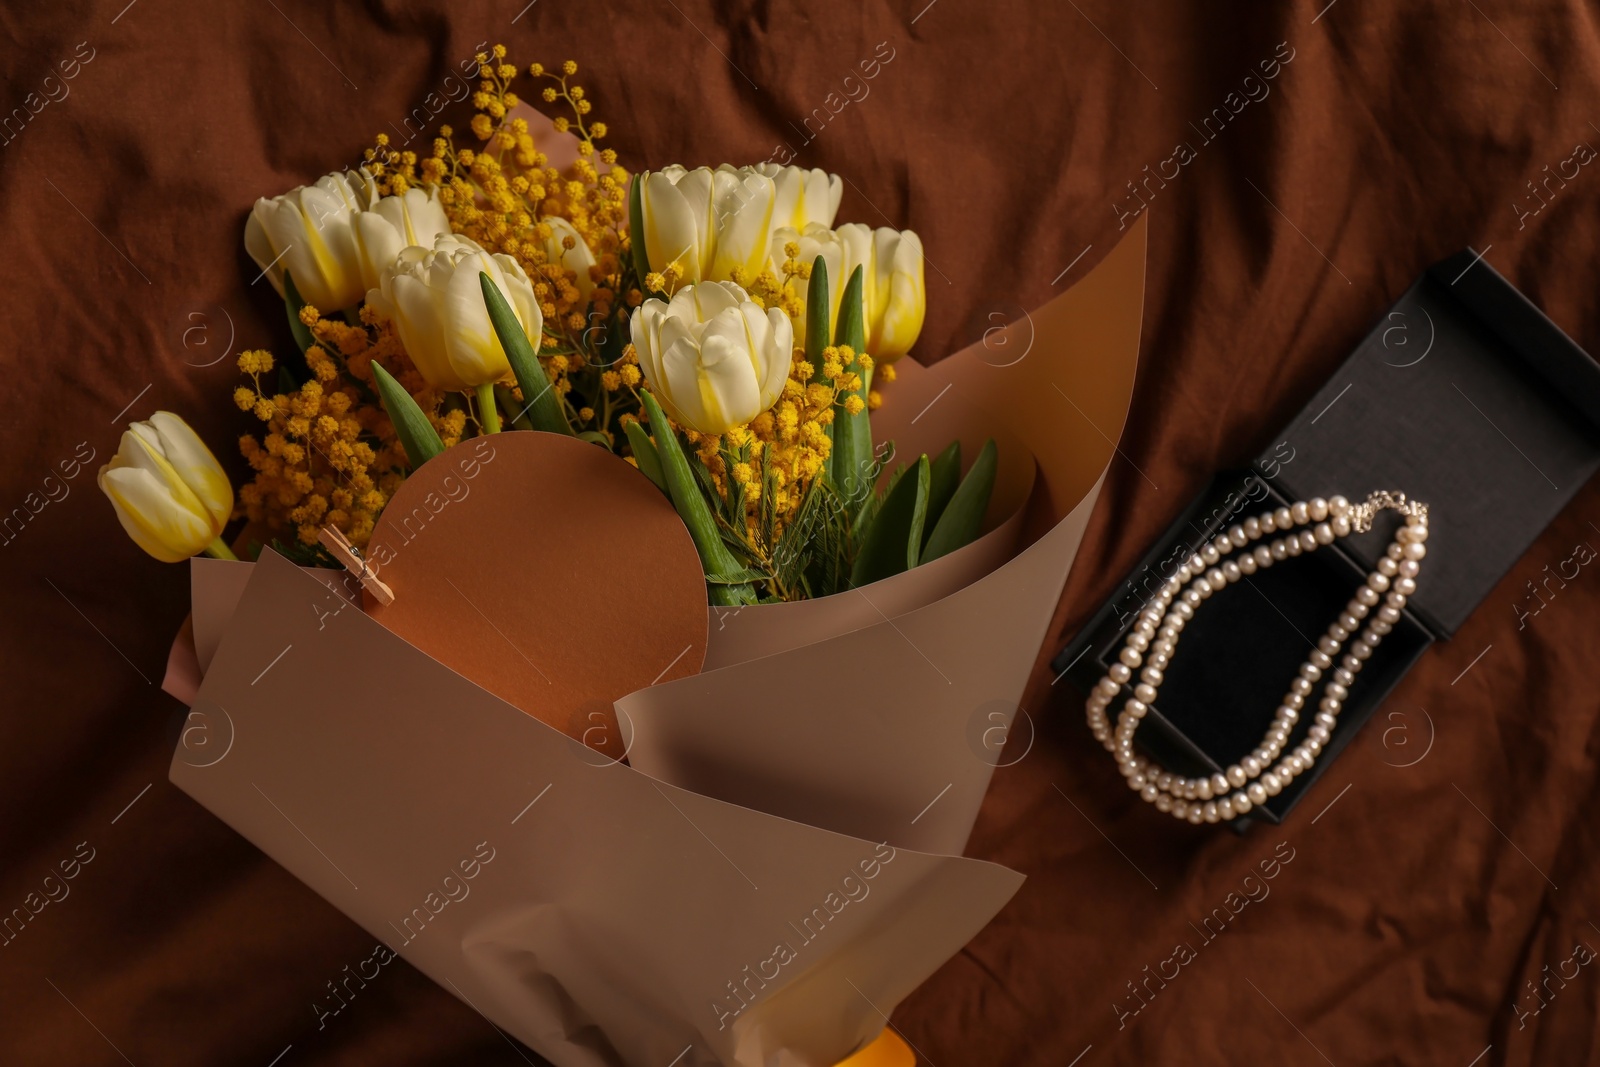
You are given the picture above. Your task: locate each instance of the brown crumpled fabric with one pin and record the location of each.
(1442, 908)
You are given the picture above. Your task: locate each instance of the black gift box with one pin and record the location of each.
(1464, 396)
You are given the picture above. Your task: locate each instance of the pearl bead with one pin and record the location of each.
(1252, 528)
(1131, 657)
(1192, 596)
(1327, 719)
(1196, 814)
(1409, 568)
(1270, 783)
(1366, 596)
(1295, 701)
(1210, 554)
(1289, 715)
(1387, 566)
(1279, 550)
(1163, 802)
(1378, 582)
(1300, 511)
(1268, 522)
(1405, 586)
(1251, 766)
(1257, 793)
(1247, 563)
(1146, 693)
(1414, 551)
(1318, 508)
(1327, 646)
(1216, 577)
(1336, 691)
(1308, 541)
(1283, 517)
(1152, 675)
(1225, 809)
(1361, 650)
(1345, 676)
(1338, 505)
(1149, 793)
(1380, 627)
(1241, 803)
(1119, 673)
(1328, 706)
(1202, 788)
(1320, 659)
(1230, 571)
(1181, 809)
(1236, 775)
(1341, 526)
(1209, 812)
(1237, 535)
(1338, 632)
(1292, 545)
(1388, 613)
(1264, 556)
(1323, 533)
(1219, 784)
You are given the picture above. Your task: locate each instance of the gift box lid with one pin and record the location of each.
(1464, 396)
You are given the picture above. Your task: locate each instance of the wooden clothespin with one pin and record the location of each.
(340, 548)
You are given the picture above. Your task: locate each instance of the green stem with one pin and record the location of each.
(488, 412)
(218, 550)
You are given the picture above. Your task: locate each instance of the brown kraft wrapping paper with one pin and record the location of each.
(779, 866)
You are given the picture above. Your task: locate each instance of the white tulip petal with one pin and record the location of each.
(156, 521)
(196, 465)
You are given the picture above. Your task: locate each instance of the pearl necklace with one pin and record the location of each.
(1154, 637)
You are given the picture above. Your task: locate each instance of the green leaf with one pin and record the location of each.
(963, 516)
(542, 404)
(641, 256)
(945, 475)
(817, 312)
(292, 304)
(894, 540)
(694, 509)
(851, 459)
(644, 454)
(416, 433)
(738, 577)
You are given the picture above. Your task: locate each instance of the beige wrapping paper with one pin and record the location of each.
(878, 726)
(779, 865)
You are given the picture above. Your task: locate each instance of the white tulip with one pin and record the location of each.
(415, 217)
(579, 258)
(892, 286)
(170, 493)
(310, 232)
(435, 300)
(707, 221)
(804, 197)
(712, 356)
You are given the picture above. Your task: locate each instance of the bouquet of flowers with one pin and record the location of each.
(576, 472)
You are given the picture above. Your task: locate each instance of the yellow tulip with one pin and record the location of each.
(436, 302)
(169, 491)
(310, 232)
(713, 357)
(707, 221)
(892, 285)
(803, 197)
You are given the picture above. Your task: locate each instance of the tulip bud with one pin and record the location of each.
(393, 223)
(578, 259)
(707, 221)
(169, 491)
(892, 283)
(713, 357)
(310, 232)
(435, 300)
(803, 197)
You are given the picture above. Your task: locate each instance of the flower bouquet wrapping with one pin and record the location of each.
(609, 657)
